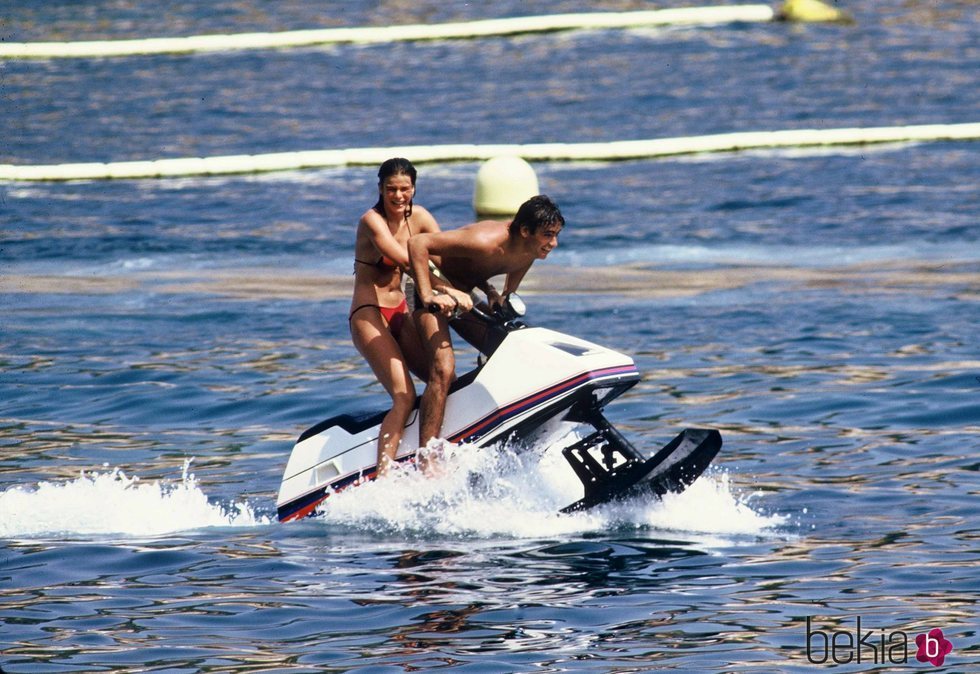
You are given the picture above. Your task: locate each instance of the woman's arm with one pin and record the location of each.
(382, 238)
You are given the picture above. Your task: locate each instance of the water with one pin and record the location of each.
(164, 342)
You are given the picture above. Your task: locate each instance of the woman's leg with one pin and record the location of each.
(383, 354)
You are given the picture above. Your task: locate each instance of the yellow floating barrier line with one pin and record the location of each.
(412, 32)
(422, 154)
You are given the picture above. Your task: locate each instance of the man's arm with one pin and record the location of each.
(421, 247)
(494, 298)
(514, 279)
(418, 257)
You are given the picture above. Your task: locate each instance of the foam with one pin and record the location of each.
(499, 492)
(111, 503)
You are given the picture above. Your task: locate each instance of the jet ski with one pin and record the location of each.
(531, 385)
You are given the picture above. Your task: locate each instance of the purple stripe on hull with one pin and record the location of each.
(495, 419)
(306, 504)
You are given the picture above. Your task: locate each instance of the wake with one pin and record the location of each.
(487, 492)
(111, 503)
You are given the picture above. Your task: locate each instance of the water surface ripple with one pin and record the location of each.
(163, 342)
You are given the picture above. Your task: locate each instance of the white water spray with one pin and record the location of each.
(104, 503)
(492, 491)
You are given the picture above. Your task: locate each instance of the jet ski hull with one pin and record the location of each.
(534, 377)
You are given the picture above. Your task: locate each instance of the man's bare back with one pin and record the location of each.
(468, 258)
(488, 253)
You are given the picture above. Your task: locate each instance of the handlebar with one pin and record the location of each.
(503, 315)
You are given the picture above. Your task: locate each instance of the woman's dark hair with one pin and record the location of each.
(539, 211)
(395, 166)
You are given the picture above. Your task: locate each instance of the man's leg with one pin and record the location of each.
(434, 331)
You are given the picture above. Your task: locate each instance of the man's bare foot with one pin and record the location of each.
(432, 457)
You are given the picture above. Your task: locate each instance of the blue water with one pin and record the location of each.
(163, 342)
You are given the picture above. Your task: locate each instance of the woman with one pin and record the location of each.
(380, 324)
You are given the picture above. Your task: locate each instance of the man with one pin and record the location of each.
(461, 260)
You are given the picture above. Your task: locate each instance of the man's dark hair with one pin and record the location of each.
(539, 211)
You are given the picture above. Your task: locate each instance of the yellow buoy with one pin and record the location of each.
(812, 11)
(502, 185)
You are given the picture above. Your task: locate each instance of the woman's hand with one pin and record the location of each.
(450, 302)
(465, 300)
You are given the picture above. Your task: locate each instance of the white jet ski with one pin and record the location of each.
(531, 383)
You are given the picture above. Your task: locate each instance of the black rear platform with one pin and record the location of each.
(610, 468)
